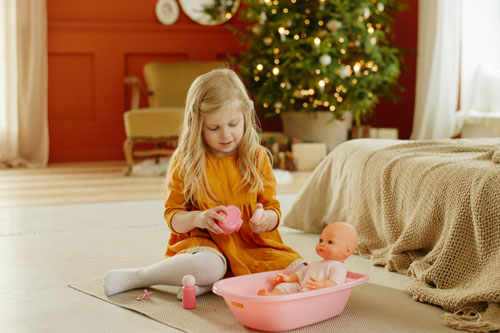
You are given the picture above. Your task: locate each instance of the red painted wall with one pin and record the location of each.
(400, 114)
(94, 44)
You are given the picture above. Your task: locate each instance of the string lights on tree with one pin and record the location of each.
(319, 55)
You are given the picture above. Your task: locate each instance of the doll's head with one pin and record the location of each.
(215, 99)
(338, 241)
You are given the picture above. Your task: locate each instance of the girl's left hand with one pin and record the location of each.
(258, 222)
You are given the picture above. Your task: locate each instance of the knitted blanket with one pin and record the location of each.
(428, 209)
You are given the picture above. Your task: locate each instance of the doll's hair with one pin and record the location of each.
(210, 92)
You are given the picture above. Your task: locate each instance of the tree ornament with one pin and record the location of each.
(268, 41)
(333, 25)
(343, 71)
(298, 93)
(366, 13)
(262, 17)
(325, 59)
(257, 29)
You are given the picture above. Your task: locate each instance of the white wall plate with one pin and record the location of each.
(167, 11)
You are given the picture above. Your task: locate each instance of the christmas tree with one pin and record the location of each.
(319, 55)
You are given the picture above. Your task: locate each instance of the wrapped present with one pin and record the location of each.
(358, 132)
(307, 155)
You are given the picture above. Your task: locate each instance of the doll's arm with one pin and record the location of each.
(314, 283)
(280, 278)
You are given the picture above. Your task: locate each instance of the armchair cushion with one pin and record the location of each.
(169, 82)
(153, 122)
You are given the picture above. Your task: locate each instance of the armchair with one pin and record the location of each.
(159, 124)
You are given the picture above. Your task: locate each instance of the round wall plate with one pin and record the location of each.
(167, 11)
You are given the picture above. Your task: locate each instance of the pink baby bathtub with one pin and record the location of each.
(285, 312)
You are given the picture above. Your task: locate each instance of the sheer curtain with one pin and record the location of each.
(480, 70)
(23, 86)
(438, 68)
(458, 45)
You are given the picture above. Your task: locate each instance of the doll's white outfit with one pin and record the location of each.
(321, 270)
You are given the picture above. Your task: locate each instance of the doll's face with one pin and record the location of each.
(334, 243)
(222, 130)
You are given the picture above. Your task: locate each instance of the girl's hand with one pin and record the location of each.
(207, 219)
(258, 222)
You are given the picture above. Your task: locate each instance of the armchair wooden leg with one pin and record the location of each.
(128, 145)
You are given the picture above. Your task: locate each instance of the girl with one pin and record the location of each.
(218, 162)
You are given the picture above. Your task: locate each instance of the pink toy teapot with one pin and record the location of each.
(232, 219)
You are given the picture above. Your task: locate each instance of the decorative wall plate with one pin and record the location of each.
(167, 11)
(222, 10)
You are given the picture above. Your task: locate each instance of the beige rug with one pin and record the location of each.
(371, 308)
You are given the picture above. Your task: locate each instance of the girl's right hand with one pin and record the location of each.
(207, 219)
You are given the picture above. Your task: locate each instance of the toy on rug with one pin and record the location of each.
(336, 243)
(188, 292)
(145, 296)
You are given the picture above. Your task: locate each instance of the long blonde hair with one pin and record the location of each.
(210, 92)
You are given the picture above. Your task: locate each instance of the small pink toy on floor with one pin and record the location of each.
(336, 243)
(188, 292)
(145, 296)
(232, 220)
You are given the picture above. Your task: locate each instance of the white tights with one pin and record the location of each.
(207, 267)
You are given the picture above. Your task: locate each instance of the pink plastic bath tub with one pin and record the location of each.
(286, 312)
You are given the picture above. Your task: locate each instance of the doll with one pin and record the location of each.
(336, 243)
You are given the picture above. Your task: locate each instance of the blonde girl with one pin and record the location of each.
(218, 162)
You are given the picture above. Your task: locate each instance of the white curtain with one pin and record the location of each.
(480, 70)
(438, 68)
(481, 56)
(23, 83)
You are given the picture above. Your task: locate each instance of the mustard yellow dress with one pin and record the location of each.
(245, 251)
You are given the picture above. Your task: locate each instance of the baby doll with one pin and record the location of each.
(336, 243)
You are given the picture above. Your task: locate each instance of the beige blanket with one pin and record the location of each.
(428, 209)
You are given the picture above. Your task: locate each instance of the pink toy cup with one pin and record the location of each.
(232, 220)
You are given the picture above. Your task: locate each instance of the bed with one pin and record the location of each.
(427, 209)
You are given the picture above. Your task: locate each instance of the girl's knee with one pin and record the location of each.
(208, 267)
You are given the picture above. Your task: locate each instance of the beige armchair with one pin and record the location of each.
(159, 124)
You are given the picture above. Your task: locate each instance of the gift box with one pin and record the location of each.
(360, 131)
(276, 142)
(307, 155)
(384, 133)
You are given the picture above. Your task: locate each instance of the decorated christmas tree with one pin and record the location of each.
(319, 55)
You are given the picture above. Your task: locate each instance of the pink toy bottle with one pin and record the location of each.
(188, 292)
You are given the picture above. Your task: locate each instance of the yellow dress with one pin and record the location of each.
(245, 251)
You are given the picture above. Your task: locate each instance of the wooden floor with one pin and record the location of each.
(94, 182)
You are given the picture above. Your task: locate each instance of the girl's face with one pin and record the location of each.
(222, 130)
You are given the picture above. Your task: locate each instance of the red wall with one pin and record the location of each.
(94, 44)
(400, 114)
